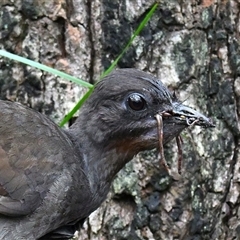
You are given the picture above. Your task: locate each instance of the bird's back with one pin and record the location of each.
(42, 178)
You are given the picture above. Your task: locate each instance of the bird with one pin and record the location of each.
(52, 179)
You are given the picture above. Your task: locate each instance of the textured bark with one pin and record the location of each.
(194, 48)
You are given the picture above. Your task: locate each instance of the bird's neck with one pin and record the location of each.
(103, 158)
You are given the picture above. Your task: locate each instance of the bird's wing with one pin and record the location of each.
(31, 151)
(64, 232)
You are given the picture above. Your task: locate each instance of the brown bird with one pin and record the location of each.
(52, 179)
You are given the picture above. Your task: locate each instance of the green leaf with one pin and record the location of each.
(45, 68)
(135, 34)
(76, 107)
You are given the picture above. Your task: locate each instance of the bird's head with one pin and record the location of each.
(121, 112)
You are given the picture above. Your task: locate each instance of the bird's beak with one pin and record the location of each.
(179, 118)
(171, 123)
(190, 116)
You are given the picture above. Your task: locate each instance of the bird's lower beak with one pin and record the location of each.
(190, 116)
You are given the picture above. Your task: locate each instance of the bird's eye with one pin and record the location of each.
(136, 102)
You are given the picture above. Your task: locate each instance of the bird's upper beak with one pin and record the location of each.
(190, 116)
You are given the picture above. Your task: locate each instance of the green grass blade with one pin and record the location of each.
(45, 68)
(135, 34)
(76, 107)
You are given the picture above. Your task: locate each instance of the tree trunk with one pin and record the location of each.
(194, 48)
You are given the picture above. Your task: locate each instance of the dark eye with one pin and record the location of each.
(136, 102)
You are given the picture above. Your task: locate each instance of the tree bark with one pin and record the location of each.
(194, 48)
